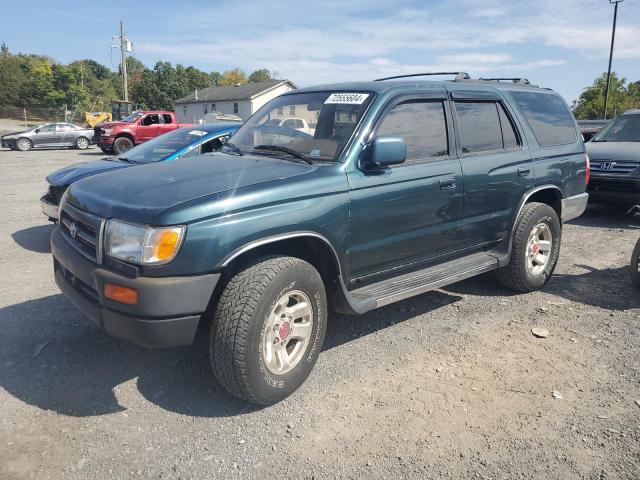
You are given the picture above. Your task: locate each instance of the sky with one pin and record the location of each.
(560, 44)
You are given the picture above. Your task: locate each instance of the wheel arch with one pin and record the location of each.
(127, 135)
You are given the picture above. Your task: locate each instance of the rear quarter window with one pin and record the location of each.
(548, 117)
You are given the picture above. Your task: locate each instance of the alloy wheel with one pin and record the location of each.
(539, 248)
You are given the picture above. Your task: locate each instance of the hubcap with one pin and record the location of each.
(539, 248)
(82, 143)
(287, 332)
(23, 144)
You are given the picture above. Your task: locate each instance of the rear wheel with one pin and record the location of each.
(535, 249)
(268, 329)
(635, 265)
(23, 144)
(82, 143)
(121, 145)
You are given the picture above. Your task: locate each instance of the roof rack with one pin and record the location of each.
(520, 81)
(459, 76)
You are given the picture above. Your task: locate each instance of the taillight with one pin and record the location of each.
(587, 167)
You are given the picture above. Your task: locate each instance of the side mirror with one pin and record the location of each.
(386, 151)
(37, 130)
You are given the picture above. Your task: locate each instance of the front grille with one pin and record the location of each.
(614, 167)
(83, 231)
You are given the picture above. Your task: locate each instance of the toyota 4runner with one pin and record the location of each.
(405, 186)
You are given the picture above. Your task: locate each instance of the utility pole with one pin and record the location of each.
(613, 38)
(123, 61)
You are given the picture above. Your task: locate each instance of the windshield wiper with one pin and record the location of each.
(290, 151)
(233, 147)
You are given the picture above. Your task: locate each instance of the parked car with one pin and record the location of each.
(404, 187)
(589, 128)
(635, 255)
(615, 161)
(182, 143)
(49, 135)
(299, 124)
(118, 137)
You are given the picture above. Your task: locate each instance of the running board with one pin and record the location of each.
(421, 281)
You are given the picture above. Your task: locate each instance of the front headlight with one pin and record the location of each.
(107, 131)
(142, 245)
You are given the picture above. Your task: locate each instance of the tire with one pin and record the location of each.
(121, 145)
(244, 343)
(24, 144)
(526, 271)
(82, 143)
(635, 265)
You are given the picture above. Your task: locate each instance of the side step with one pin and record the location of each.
(415, 283)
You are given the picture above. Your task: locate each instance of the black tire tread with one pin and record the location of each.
(512, 275)
(635, 274)
(232, 318)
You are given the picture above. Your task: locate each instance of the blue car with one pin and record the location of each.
(181, 143)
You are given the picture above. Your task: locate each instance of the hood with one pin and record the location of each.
(141, 194)
(15, 133)
(617, 151)
(113, 124)
(66, 176)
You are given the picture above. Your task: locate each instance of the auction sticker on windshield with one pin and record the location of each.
(346, 98)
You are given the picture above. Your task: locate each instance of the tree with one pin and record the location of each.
(216, 78)
(11, 77)
(590, 105)
(233, 77)
(261, 75)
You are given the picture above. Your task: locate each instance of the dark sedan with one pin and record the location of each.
(49, 135)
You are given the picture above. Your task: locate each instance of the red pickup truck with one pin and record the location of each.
(118, 137)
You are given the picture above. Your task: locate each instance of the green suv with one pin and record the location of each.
(397, 187)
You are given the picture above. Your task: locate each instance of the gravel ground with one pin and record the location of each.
(451, 384)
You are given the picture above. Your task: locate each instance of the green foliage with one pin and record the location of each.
(260, 75)
(622, 97)
(85, 85)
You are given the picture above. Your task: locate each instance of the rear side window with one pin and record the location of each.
(423, 127)
(166, 117)
(479, 126)
(548, 117)
(508, 133)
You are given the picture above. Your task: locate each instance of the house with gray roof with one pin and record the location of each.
(241, 100)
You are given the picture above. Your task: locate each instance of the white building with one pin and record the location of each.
(241, 100)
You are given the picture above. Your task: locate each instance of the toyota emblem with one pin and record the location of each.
(73, 230)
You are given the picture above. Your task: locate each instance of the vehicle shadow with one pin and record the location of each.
(35, 238)
(602, 215)
(52, 358)
(95, 152)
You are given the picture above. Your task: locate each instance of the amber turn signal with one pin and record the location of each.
(121, 294)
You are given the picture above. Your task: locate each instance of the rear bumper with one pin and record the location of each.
(573, 207)
(168, 310)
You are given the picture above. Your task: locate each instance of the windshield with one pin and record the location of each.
(315, 126)
(625, 128)
(164, 145)
(132, 117)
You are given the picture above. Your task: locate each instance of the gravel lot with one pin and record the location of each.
(451, 384)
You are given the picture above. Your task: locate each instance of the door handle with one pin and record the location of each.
(447, 184)
(524, 171)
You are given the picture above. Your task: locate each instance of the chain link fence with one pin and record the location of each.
(35, 114)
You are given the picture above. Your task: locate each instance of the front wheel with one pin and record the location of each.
(121, 145)
(23, 144)
(268, 329)
(635, 265)
(82, 143)
(535, 249)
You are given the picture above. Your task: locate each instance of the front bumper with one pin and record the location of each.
(614, 189)
(103, 141)
(8, 144)
(50, 209)
(168, 310)
(574, 206)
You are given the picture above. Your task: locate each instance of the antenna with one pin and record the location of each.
(459, 75)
